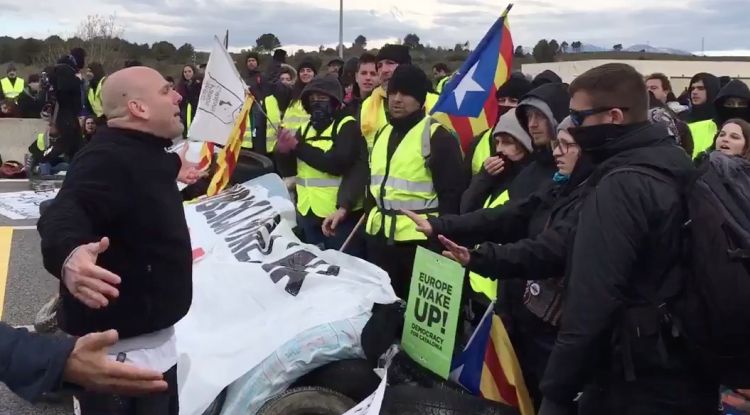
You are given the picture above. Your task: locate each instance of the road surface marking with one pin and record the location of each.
(6, 241)
(24, 228)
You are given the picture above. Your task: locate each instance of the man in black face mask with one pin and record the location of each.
(329, 157)
(733, 101)
(613, 344)
(416, 165)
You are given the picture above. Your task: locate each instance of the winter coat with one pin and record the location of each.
(626, 240)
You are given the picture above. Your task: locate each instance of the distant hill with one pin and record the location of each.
(652, 49)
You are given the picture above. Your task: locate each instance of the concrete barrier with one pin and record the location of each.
(16, 134)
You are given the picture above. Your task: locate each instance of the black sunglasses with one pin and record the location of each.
(578, 117)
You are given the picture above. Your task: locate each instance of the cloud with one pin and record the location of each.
(666, 23)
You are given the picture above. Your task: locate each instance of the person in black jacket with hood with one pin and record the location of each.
(733, 101)
(626, 244)
(704, 88)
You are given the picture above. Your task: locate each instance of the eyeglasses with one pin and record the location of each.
(563, 145)
(578, 117)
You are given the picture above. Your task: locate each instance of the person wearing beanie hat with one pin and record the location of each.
(328, 156)
(295, 115)
(525, 242)
(334, 66)
(11, 86)
(373, 115)
(416, 170)
(508, 96)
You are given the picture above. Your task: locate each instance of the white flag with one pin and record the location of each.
(221, 99)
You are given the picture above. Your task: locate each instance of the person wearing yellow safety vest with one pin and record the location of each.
(261, 137)
(704, 88)
(94, 93)
(441, 75)
(525, 241)
(495, 185)
(189, 88)
(41, 150)
(323, 154)
(11, 86)
(415, 164)
(374, 109)
(508, 96)
(295, 115)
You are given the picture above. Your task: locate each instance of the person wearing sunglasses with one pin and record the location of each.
(525, 241)
(626, 243)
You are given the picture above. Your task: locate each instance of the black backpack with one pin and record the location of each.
(710, 303)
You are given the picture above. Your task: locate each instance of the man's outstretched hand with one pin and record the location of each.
(90, 367)
(88, 282)
(189, 173)
(455, 251)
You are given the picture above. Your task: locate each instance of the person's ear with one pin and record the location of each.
(617, 115)
(138, 110)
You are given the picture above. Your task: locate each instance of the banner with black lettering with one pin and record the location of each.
(256, 286)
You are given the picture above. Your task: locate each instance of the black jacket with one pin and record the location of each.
(707, 110)
(734, 89)
(627, 239)
(346, 158)
(122, 185)
(483, 185)
(31, 364)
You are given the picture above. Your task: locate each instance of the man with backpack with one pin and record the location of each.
(618, 342)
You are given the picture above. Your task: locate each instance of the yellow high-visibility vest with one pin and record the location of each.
(480, 284)
(12, 91)
(381, 119)
(441, 84)
(295, 117)
(273, 113)
(95, 98)
(189, 116)
(318, 191)
(41, 142)
(481, 152)
(703, 133)
(401, 182)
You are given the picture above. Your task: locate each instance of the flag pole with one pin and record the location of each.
(260, 107)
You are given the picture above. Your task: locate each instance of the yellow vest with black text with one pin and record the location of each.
(382, 120)
(12, 91)
(295, 117)
(703, 133)
(481, 152)
(318, 191)
(95, 98)
(480, 284)
(402, 182)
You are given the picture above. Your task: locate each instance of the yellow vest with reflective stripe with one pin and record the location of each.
(703, 133)
(12, 91)
(295, 116)
(480, 284)
(382, 120)
(316, 190)
(481, 152)
(95, 98)
(41, 141)
(402, 182)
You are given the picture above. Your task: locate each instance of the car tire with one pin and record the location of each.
(413, 400)
(308, 401)
(354, 378)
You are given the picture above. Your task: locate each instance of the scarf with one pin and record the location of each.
(372, 110)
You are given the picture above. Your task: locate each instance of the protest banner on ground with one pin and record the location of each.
(432, 311)
(24, 204)
(256, 286)
(221, 99)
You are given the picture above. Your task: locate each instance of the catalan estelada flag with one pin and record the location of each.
(226, 161)
(207, 154)
(488, 366)
(467, 106)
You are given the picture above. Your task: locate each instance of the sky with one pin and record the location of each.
(680, 24)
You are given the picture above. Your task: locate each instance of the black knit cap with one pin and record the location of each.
(410, 80)
(326, 85)
(253, 55)
(516, 87)
(80, 57)
(396, 53)
(308, 63)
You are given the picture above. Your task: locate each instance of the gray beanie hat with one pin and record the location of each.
(565, 124)
(509, 124)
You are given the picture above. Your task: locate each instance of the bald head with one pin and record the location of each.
(139, 98)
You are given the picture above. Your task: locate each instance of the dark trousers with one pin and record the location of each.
(396, 259)
(160, 404)
(313, 234)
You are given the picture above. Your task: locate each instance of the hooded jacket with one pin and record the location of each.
(705, 111)
(734, 89)
(546, 77)
(627, 238)
(484, 185)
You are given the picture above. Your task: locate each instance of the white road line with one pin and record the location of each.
(24, 228)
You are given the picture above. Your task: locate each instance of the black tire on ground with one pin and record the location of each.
(412, 400)
(353, 378)
(404, 370)
(217, 404)
(308, 401)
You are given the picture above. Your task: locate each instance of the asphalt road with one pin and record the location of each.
(27, 287)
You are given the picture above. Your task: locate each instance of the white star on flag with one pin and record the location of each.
(467, 84)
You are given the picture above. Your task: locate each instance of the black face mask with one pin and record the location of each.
(731, 112)
(321, 114)
(593, 137)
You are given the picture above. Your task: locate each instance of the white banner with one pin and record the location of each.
(23, 205)
(372, 404)
(256, 286)
(222, 96)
